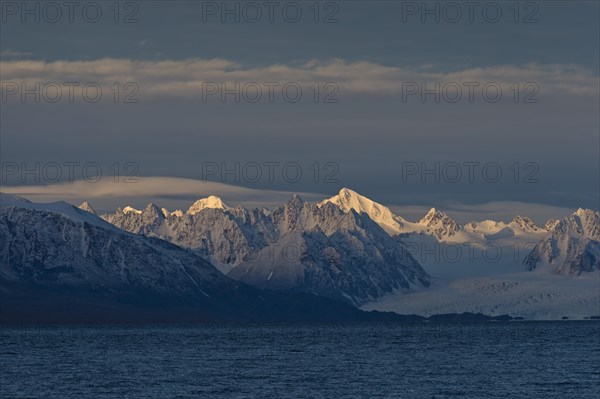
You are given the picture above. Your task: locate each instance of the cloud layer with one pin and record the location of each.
(179, 193)
(169, 192)
(185, 78)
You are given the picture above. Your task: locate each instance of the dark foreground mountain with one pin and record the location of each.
(60, 263)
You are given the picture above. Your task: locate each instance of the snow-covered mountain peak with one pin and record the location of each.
(86, 206)
(432, 216)
(130, 209)
(177, 213)
(586, 214)
(210, 202)
(430, 213)
(296, 199)
(439, 224)
(525, 224)
(587, 221)
(571, 247)
(349, 195)
(348, 200)
(290, 214)
(294, 205)
(550, 224)
(153, 209)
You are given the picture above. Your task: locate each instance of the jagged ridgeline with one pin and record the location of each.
(315, 248)
(347, 247)
(61, 263)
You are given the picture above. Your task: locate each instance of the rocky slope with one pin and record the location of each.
(320, 249)
(352, 248)
(572, 247)
(59, 262)
(325, 251)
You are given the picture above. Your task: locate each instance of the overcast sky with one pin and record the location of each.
(367, 129)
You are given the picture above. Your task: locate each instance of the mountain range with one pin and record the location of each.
(347, 248)
(229, 236)
(319, 249)
(61, 263)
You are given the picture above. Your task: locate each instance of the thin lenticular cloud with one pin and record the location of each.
(179, 193)
(171, 192)
(184, 78)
